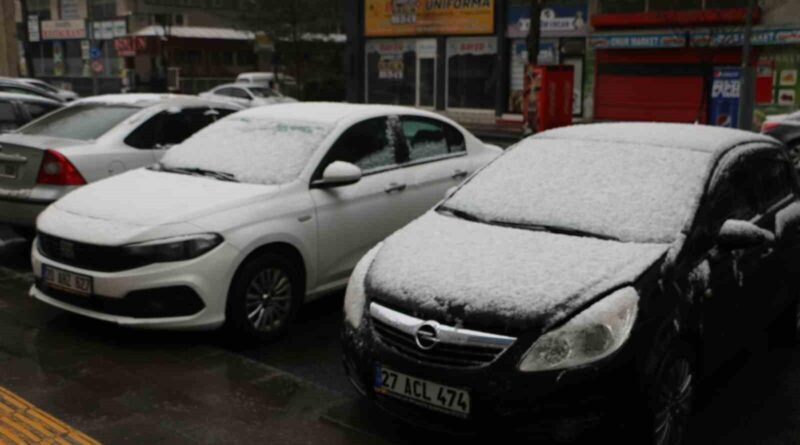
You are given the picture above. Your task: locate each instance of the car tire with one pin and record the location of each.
(671, 396)
(264, 298)
(784, 330)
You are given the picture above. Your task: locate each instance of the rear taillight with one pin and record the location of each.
(769, 125)
(57, 170)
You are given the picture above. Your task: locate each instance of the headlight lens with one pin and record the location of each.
(590, 336)
(355, 297)
(173, 249)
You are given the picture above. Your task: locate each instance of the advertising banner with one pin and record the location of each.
(415, 17)
(556, 21)
(725, 96)
(33, 28)
(63, 29)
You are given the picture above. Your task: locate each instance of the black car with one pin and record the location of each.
(590, 277)
(17, 110)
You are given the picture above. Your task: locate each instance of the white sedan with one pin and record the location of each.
(250, 217)
(92, 139)
(247, 94)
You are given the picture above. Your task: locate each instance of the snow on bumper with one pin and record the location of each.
(208, 276)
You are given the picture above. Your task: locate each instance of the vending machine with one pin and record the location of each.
(547, 97)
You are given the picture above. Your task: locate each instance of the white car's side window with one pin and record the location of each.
(370, 144)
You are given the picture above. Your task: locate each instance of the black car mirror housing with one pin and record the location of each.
(738, 234)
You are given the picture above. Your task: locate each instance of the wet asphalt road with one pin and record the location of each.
(127, 386)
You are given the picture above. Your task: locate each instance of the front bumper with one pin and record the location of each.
(208, 277)
(564, 405)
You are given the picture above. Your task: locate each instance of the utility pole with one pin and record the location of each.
(534, 32)
(746, 91)
(90, 26)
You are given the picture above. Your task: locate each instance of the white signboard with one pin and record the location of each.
(120, 28)
(33, 28)
(69, 10)
(63, 29)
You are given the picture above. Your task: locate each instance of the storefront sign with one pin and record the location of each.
(109, 29)
(614, 41)
(63, 29)
(414, 17)
(199, 4)
(69, 10)
(725, 96)
(556, 21)
(129, 46)
(33, 28)
(774, 36)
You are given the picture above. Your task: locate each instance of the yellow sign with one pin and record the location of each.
(422, 17)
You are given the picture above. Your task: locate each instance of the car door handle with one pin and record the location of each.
(394, 187)
(460, 174)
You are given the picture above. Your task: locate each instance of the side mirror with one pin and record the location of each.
(737, 234)
(339, 173)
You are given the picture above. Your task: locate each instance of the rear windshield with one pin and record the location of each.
(262, 92)
(81, 122)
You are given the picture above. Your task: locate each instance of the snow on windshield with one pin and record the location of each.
(626, 191)
(255, 150)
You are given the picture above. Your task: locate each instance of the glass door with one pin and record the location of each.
(426, 73)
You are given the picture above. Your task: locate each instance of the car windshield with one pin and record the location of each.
(82, 122)
(262, 92)
(626, 192)
(249, 149)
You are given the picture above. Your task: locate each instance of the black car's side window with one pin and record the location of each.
(774, 178)
(369, 144)
(35, 109)
(234, 92)
(735, 194)
(8, 116)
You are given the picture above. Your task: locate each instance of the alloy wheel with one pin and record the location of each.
(673, 403)
(268, 300)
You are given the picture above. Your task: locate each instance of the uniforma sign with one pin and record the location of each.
(420, 17)
(556, 21)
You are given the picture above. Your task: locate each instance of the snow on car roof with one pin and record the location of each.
(684, 136)
(148, 99)
(328, 112)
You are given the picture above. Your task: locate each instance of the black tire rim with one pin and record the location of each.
(673, 403)
(268, 300)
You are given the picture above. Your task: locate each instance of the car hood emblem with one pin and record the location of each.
(427, 335)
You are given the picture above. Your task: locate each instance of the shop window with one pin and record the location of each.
(391, 71)
(103, 9)
(723, 4)
(621, 6)
(245, 58)
(472, 73)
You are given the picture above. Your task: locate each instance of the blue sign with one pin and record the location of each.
(556, 21)
(725, 96)
(95, 53)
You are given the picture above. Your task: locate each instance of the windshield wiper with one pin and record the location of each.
(222, 176)
(461, 214)
(552, 229)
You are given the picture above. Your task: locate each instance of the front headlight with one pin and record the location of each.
(590, 336)
(355, 297)
(173, 249)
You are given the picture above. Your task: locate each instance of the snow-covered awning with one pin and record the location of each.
(195, 32)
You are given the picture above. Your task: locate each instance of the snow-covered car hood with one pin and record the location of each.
(120, 208)
(498, 278)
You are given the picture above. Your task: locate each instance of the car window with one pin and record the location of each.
(369, 144)
(169, 128)
(425, 138)
(82, 122)
(734, 194)
(233, 92)
(262, 92)
(774, 178)
(8, 117)
(36, 110)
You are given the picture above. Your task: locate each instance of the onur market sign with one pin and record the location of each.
(698, 38)
(63, 29)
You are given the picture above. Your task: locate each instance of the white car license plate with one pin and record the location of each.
(8, 170)
(425, 393)
(67, 281)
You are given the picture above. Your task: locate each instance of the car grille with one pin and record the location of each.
(86, 256)
(455, 347)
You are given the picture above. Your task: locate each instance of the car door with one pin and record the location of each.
(733, 273)
(437, 161)
(353, 218)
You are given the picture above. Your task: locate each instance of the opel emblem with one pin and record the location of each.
(67, 250)
(427, 335)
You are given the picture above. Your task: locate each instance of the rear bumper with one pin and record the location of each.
(21, 213)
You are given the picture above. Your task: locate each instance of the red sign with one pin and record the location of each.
(97, 66)
(129, 46)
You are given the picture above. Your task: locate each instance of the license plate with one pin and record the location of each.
(425, 393)
(8, 170)
(67, 281)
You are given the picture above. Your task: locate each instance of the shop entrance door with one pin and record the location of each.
(426, 73)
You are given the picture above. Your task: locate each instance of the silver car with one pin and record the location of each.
(89, 140)
(247, 94)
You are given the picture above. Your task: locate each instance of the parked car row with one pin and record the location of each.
(588, 276)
